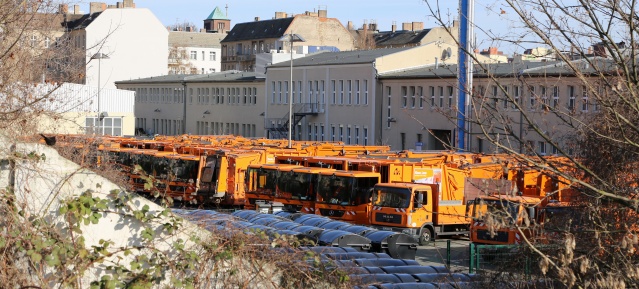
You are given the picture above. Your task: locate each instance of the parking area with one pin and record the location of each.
(436, 252)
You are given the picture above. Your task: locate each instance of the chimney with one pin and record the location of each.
(95, 7)
(280, 15)
(76, 9)
(322, 13)
(63, 9)
(418, 26)
(257, 19)
(128, 4)
(372, 26)
(407, 26)
(394, 27)
(202, 30)
(111, 6)
(189, 29)
(120, 5)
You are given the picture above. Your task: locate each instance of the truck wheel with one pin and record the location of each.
(425, 236)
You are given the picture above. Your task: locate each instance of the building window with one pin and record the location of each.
(544, 96)
(341, 92)
(193, 55)
(334, 92)
(365, 92)
(332, 132)
(365, 136)
(322, 131)
(47, 42)
(505, 104)
(450, 96)
(533, 97)
(494, 95)
(357, 135)
(404, 97)
(350, 91)
(348, 135)
(516, 92)
(431, 90)
(34, 41)
(411, 93)
(286, 92)
(584, 98)
(108, 126)
(555, 97)
(420, 93)
(542, 147)
(357, 98)
(571, 97)
(212, 56)
(299, 91)
(279, 90)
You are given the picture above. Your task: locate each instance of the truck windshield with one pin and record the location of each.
(300, 186)
(563, 219)
(391, 197)
(183, 170)
(345, 190)
(496, 208)
(263, 180)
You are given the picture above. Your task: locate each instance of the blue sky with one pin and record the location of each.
(383, 12)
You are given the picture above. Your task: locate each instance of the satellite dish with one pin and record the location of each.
(446, 53)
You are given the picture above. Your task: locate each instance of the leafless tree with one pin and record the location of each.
(581, 104)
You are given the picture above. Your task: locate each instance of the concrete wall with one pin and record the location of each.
(136, 42)
(42, 186)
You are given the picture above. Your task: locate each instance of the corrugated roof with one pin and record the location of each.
(217, 14)
(224, 76)
(344, 57)
(171, 78)
(527, 68)
(195, 39)
(264, 29)
(402, 37)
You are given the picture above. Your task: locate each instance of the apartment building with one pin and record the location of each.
(133, 38)
(246, 40)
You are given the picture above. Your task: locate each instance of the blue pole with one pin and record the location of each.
(462, 62)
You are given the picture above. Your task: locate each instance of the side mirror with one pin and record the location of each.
(419, 201)
(531, 213)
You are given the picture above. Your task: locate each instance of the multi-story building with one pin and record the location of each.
(422, 106)
(134, 40)
(194, 52)
(246, 40)
(229, 102)
(336, 96)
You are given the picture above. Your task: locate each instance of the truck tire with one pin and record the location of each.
(425, 235)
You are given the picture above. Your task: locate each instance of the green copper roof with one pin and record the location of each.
(217, 14)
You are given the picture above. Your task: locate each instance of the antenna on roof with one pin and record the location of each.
(227, 10)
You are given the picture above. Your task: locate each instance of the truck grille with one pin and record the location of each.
(332, 213)
(499, 236)
(388, 218)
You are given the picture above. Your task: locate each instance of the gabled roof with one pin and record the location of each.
(217, 14)
(402, 37)
(344, 57)
(264, 29)
(82, 22)
(195, 39)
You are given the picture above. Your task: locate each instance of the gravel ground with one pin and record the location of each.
(434, 254)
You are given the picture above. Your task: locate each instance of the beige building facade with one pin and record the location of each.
(227, 102)
(246, 40)
(337, 96)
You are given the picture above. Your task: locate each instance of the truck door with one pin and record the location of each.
(209, 176)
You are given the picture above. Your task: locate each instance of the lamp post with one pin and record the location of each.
(99, 56)
(291, 38)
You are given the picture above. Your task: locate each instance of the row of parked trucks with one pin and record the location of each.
(424, 194)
